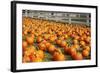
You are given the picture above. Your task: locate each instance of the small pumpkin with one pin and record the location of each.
(24, 45)
(30, 39)
(42, 46)
(77, 56)
(85, 53)
(58, 56)
(51, 48)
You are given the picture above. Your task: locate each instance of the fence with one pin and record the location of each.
(68, 17)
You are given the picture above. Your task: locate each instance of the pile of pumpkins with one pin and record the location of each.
(62, 41)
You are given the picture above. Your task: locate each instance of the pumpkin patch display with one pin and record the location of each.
(47, 40)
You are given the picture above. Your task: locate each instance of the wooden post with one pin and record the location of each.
(69, 19)
(87, 23)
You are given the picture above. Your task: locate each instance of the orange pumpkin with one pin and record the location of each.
(30, 39)
(87, 48)
(52, 38)
(58, 42)
(51, 48)
(85, 53)
(82, 43)
(88, 39)
(26, 59)
(72, 51)
(35, 58)
(63, 44)
(76, 46)
(58, 56)
(24, 45)
(77, 56)
(67, 50)
(39, 39)
(47, 44)
(65, 36)
(42, 46)
(75, 41)
(30, 50)
(40, 53)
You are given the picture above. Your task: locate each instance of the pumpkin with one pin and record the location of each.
(51, 48)
(82, 43)
(26, 59)
(77, 56)
(42, 46)
(85, 53)
(39, 39)
(58, 56)
(30, 39)
(63, 44)
(40, 53)
(24, 44)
